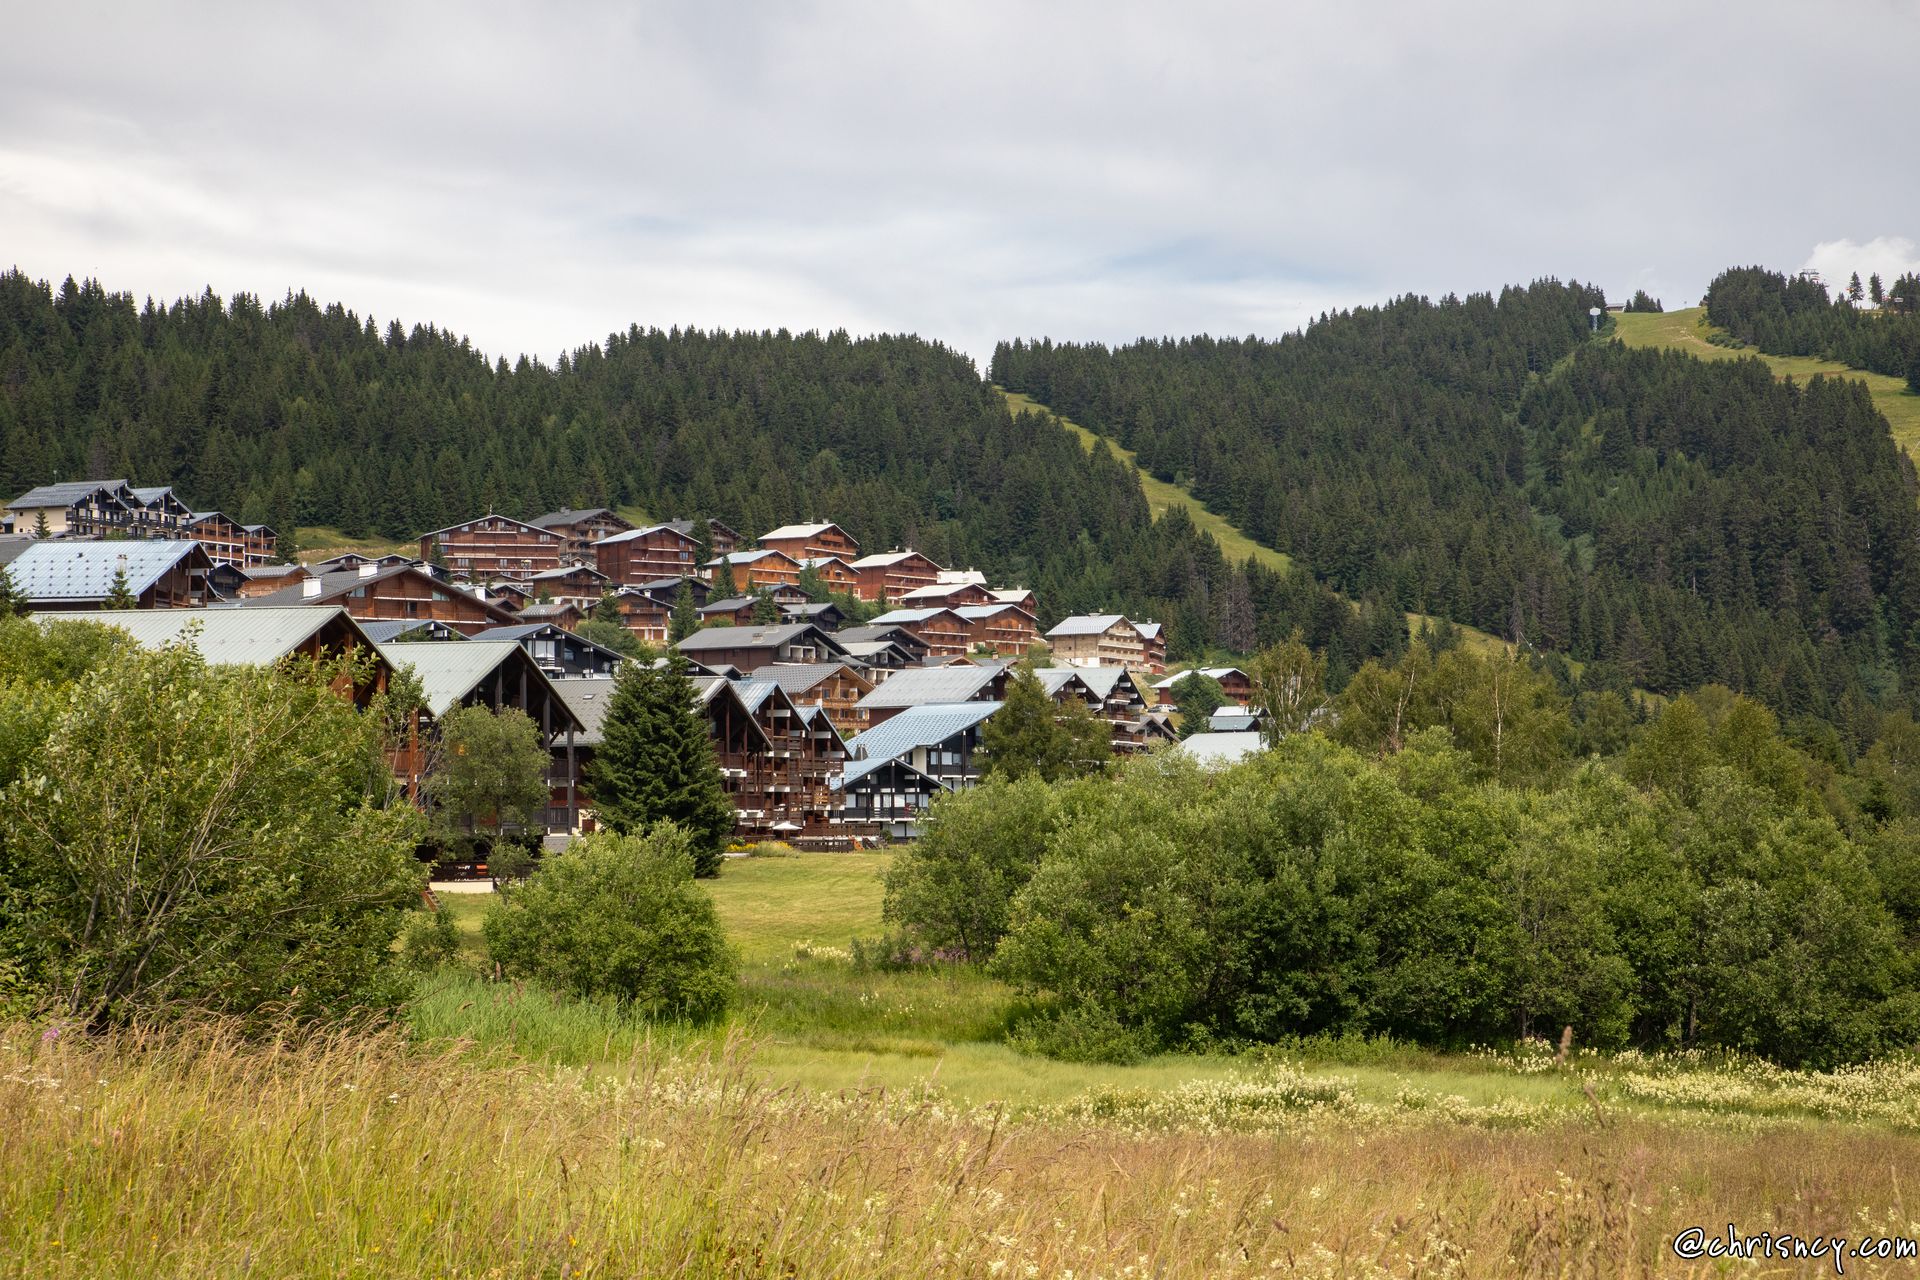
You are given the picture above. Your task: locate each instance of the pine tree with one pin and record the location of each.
(686, 619)
(656, 762)
(40, 529)
(1876, 290)
(723, 585)
(1854, 290)
(120, 595)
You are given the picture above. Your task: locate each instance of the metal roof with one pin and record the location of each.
(1102, 680)
(802, 531)
(919, 686)
(886, 559)
(1220, 748)
(1053, 679)
(1216, 673)
(961, 577)
(632, 535)
(732, 604)
(869, 635)
(748, 637)
(385, 631)
(63, 569)
(12, 544)
(798, 677)
(1233, 720)
(905, 617)
(975, 612)
(1086, 624)
(224, 637)
(449, 672)
(587, 697)
(923, 726)
(568, 517)
(66, 493)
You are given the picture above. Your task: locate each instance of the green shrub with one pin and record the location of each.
(429, 941)
(1085, 1033)
(619, 916)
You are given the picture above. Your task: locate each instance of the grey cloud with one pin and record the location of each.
(538, 176)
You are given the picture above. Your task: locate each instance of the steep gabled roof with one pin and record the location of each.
(553, 518)
(918, 727)
(786, 531)
(492, 515)
(907, 617)
(634, 535)
(713, 638)
(857, 770)
(449, 672)
(68, 492)
(340, 583)
(887, 559)
(798, 677)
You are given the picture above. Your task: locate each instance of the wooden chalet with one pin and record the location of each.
(245, 546)
(577, 582)
(643, 555)
(878, 659)
(824, 614)
(1017, 596)
(1108, 639)
(833, 573)
(939, 740)
(495, 546)
(80, 509)
(497, 674)
(1234, 682)
(579, 530)
(265, 579)
(1117, 696)
(891, 574)
(566, 614)
(1007, 629)
(946, 595)
(761, 568)
(556, 651)
(786, 790)
(884, 798)
(835, 686)
(945, 633)
(749, 648)
(400, 594)
(354, 560)
(800, 542)
(899, 636)
(67, 575)
(734, 611)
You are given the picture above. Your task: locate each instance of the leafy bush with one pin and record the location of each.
(619, 916)
(951, 889)
(429, 941)
(187, 836)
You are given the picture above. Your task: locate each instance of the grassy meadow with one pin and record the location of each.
(1689, 331)
(857, 1124)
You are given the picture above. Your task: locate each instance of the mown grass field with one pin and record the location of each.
(1688, 331)
(504, 1132)
(318, 542)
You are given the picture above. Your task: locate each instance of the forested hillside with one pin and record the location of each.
(1795, 317)
(1667, 521)
(298, 414)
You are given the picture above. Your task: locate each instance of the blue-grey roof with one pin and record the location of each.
(754, 692)
(63, 569)
(918, 727)
(798, 677)
(905, 617)
(1233, 720)
(66, 493)
(385, 631)
(1086, 624)
(918, 686)
(449, 672)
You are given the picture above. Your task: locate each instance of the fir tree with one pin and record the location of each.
(12, 603)
(685, 619)
(40, 529)
(120, 595)
(1876, 290)
(723, 586)
(656, 762)
(766, 611)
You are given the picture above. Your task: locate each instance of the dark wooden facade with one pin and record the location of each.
(495, 546)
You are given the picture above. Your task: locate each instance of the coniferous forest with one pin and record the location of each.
(1659, 522)
(1664, 521)
(1796, 317)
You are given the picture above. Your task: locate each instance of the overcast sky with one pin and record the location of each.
(537, 175)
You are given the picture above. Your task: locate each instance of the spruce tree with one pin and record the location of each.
(120, 595)
(656, 762)
(766, 611)
(40, 529)
(686, 619)
(723, 586)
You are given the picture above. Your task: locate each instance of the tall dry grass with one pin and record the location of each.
(196, 1153)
